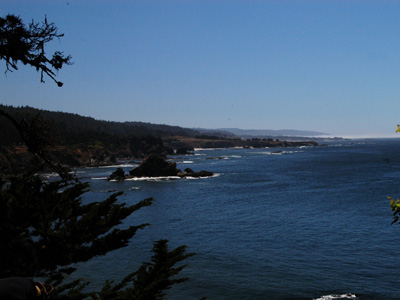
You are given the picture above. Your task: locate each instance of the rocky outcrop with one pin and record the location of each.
(117, 175)
(154, 166)
(157, 166)
(190, 173)
(184, 150)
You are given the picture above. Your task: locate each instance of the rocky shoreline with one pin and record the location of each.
(235, 143)
(156, 166)
(13, 160)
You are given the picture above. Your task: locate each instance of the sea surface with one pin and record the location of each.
(300, 223)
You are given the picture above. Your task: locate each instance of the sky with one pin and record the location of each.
(327, 66)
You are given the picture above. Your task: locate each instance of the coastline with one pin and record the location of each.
(14, 158)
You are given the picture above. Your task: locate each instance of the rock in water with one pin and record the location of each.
(190, 173)
(118, 175)
(154, 166)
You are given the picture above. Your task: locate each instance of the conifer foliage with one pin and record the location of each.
(152, 279)
(55, 229)
(45, 227)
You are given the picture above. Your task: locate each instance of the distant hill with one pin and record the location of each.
(75, 129)
(216, 132)
(272, 133)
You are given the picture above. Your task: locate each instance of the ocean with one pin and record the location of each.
(287, 223)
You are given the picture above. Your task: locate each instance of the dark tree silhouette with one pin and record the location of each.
(26, 44)
(395, 203)
(44, 226)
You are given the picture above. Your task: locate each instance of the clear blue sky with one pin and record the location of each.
(330, 66)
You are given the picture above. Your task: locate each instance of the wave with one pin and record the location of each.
(337, 296)
(161, 178)
(118, 166)
(226, 157)
(50, 175)
(189, 177)
(218, 157)
(168, 178)
(223, 148)
(281, 152)
(206, 149)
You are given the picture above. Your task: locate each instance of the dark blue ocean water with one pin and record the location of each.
(300, 224)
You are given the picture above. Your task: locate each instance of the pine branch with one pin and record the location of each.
(26, 44)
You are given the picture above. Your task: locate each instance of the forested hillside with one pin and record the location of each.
(72, 129)
(83, 141)
(74, 140)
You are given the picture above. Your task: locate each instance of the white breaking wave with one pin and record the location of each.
(189, 177)
(50, 175)
(161, 178)
(210, 149)
(336, 296)
(281, 152)
(187, 162)
(118, 166)
(168, 178)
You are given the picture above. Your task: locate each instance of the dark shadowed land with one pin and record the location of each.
(83, 141)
